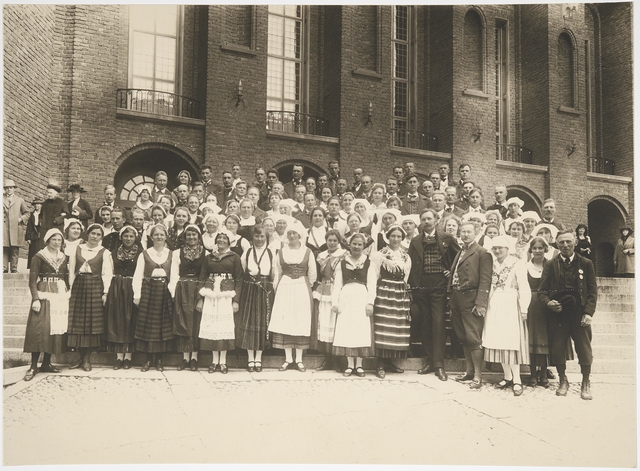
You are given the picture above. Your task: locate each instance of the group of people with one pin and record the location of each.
(350, 272)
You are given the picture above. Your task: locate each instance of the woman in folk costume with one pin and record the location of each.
(354, 293)
(514, 212)
(279, 236)
(354, 221)
(363, 208)
(246, 219)
(90, 273)
(144, 202)
(316, 239)
(120, 309)
(410, 223)
(294, 274)
(530, 219)
(548, 232)
(48, 316)
(324, 319)
(386, 218)
(73, 229)
(222, 277)
(257, 299)
(212, 223)
(239, 244)
(175, 235)
(154, 323)
(505, 336)
(521, 245)
(184, 284)
(391, 318)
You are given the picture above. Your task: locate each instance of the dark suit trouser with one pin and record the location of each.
(428, 308)
(561, 327)
(10, 255)
(467, 325)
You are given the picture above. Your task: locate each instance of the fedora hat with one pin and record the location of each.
(9, 184)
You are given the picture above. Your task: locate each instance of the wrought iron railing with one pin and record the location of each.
(296, 123)
(157, 102)
(414, 139)
(597, 165)
(514, 153)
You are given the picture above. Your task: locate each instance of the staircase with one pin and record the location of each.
(613, 333)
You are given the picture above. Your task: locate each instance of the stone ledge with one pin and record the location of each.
(366, 73)
(603, 177)
(475, 93)
(238, 49)
(303, 137)
(523, 167)
(426, 154)
(200, 123)
(569, 110)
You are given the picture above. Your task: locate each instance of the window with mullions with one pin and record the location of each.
(285, 68)
(154, 41)
(132, 188)
(402, 79)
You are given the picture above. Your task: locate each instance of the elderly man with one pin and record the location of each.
(16, 215)
(356, 188)
(549, 214)
(470, 284)
(451, 198)
(569, 290)
(427, 188)
(413, 202)
(432, 253)
(501, 200)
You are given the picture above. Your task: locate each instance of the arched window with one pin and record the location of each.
(565, 71)
(473, 51)
(130, 189)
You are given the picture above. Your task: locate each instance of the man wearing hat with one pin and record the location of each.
(569, 290)
(54, 211)
(79, 208)
(16, 216)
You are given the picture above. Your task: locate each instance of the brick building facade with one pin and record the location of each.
(538, 97)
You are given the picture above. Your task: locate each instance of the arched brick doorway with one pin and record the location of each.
(139, 165)
(605, 218)
(531, 200)
(285, 169)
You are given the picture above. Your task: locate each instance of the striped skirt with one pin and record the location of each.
(86, 312)
(289, 341)
(154, 324)
(252, 318)
(391, 325)
(511, 357)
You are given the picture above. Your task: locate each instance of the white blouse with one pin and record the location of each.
(293, 256)
(372, 279)
(138, 275)
(264, 264)
(90, 254)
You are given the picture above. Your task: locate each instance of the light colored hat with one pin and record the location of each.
(298, 227)
(362, 201)
(550, 227)
(288, 202)
(395, 227)
(504, 241)
(52, 232)
(125, 229)
(283, 217)
(466, 217)
(9, 184)
(515, 200)
(218, 217)
(143, 188)
(214, 207)
(414, 218)
(395, 212)
(530, 215)
(69, 221)
(193, 227)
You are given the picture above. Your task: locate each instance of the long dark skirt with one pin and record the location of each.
(391, 326)
(121, 315)
(154, 324)
(186, 320)
(38, 337)
(253, 316)
(86, 313)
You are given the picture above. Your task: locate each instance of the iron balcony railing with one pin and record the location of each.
(414, 139)
(514, 153)
(597, 165)
(296, 123)
(157, 102)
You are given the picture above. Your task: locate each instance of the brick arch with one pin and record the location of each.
(156, 145)
(285, 169)
(531, 200)
(619, 206)
(605, 216)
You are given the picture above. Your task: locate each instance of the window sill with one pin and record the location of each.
(237, 49)
(569, 110)
(427, 154)
(302, 137)
(475, 93)
(603, 177)
(524, 167)
(160, 117)
(366, 73)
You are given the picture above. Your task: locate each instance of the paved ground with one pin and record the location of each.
(111, 416)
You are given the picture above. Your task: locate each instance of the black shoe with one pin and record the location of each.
(212, 368)
(126, 364)
(159, 365)
(563, 388)
(251, 366)
(380, 373)
(543, 380)
(87, 365)
(325, 366)
(550, 374)
(118, 365)
(390, 367)
(464, 377)
(533, 379)
(49, 369)
(300, 367)
(258, 367)
(77, 365)
(183, 365)
(146, 366)
(585, 391)
(30, 374)
(223, 369)
(193, 365)
(360, 372)
(426, 370)
(441, 374)
(504, 384)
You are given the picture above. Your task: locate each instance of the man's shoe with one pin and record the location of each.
(126, 364)
(549, 374)
(441, 374)
(426, 370)
(585, 391)
(393, 368)
(49, 369)
(146, 366)
(159, 365)
(543, 380)
(464, 377)
(563, 388)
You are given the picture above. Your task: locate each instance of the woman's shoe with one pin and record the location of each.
(118, 365)
(284, 366)
(543, 380)
(183, 365)
(126, 364)
(517, 389)
(476, 383)
(146, 366)
(258, 366)
(86, 365)
(504, 384)
(49, 369)
(30, 374)
(212, 368)
(380, 373)
(193, 364)
(360, 372)
(533, 379)
(251, 366)
(300, 367)
(223, 369)
(348, 372)
(159, 365)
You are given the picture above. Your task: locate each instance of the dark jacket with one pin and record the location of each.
(447, 245)
(474, 272)
(550, 283)
(423, 202)
(84, 212)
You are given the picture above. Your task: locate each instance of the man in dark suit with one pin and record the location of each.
(413, 202)
(451, 198)
(112, 240)
(470, 284)
(568, 288)
(432, 252)
(356, 188)
(298, 180)
(209, 186)
(549, 214)
(227, 192)
(109, 200)
(304, 216)
(501, 201)
(79, 207)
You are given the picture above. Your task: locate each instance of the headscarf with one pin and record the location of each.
(69, 221)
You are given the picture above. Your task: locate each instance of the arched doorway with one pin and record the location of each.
(285, 170)
(605, 218)
(531, 200)
(139, 167)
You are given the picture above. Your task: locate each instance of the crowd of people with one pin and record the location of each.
(351, 271)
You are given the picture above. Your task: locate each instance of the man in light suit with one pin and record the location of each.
(568, 288)
(432, 252)
(470, 283)
(16, 215)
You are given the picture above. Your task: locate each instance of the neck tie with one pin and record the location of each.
(448, 209)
